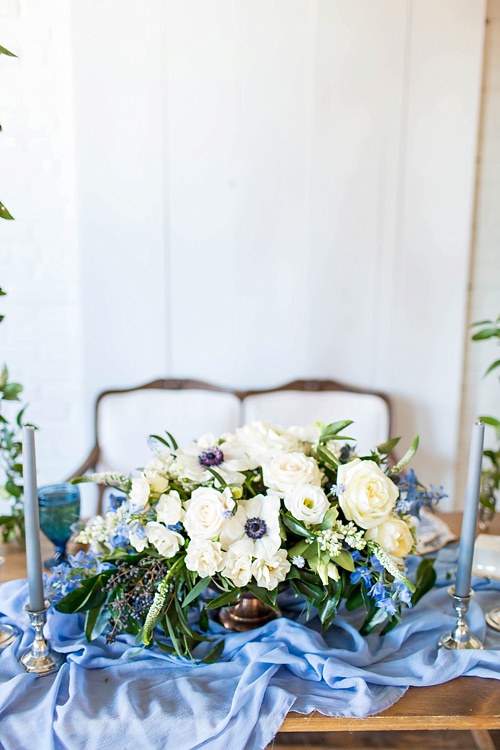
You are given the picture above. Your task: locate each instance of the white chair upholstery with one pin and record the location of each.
(126, 419)
(369, 412)
(189, 409)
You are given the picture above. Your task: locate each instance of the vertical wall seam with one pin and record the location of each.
(402, 158)
(464, 419)
(168, 356)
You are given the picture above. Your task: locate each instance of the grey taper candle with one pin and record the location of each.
(32, 523)
(472, 490)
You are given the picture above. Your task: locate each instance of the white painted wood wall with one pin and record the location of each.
(269, 189)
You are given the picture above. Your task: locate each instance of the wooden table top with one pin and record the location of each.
(470, 703)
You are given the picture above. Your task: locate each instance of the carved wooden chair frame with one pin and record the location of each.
(174, 384)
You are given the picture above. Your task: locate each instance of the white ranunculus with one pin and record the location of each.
(204, 557)
(161, 462)
(137, 541)
(262, 442)
(289, 469)
(256, 525)
(238, 565)
(269, 572)
(205, 511)
(307, 503)
(368, 496)
(308, 434)
(167, 542)
(393, 535)
(169, 509)
(157, 482)
(139, 494)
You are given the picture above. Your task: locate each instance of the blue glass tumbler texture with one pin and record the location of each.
(59, 506)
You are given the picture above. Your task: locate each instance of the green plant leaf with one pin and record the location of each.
(215, 654)
(482, 323)
(329, 606)
(355, 599)
(425, 579)
(345, 560)
(218, 477)
(95, 621)
(4, 213)
(172, 440)
(332, 430)
(388, 446)
(309, 590)
(76, 599)
(491, 421)
(406, 458)
(161, 440)
(224, 599)
(294, 525)
(372, 621)
(327, 457)
(486, 333)
(393, 621)
(198, 589)
(298, 549)
(11, 391)
(265, 596)
(4, 51)
(492, 367)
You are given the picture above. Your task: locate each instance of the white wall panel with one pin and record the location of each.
(321, 160)
(239, 114)
(421, 346)
(265, 189)
(119, 140)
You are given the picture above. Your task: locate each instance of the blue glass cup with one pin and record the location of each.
(59, 507)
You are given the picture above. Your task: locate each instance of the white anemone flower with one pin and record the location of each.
(256, 525)
(227, 459)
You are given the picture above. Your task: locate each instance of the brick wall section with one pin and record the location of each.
(482, 396)
(40, 337)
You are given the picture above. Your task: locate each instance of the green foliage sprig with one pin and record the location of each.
(11, 525)
(490, 484)
(4, 212)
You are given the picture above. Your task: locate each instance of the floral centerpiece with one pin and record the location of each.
(249, 512)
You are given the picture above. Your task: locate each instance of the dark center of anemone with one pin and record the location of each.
(211, 457)
(255, 528)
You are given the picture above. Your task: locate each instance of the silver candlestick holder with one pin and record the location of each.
(8, 634)
(493, 618)
(40, 659)
(460, 637)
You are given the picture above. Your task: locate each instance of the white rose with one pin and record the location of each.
(290, 469)
(139, 494)
(369, 495)
(394, 537)
(204, 557)
(307, 503)
(167, 542)
(156, 481)
(169, 509)
(205, 512)
(268, 573)
(238, 567)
